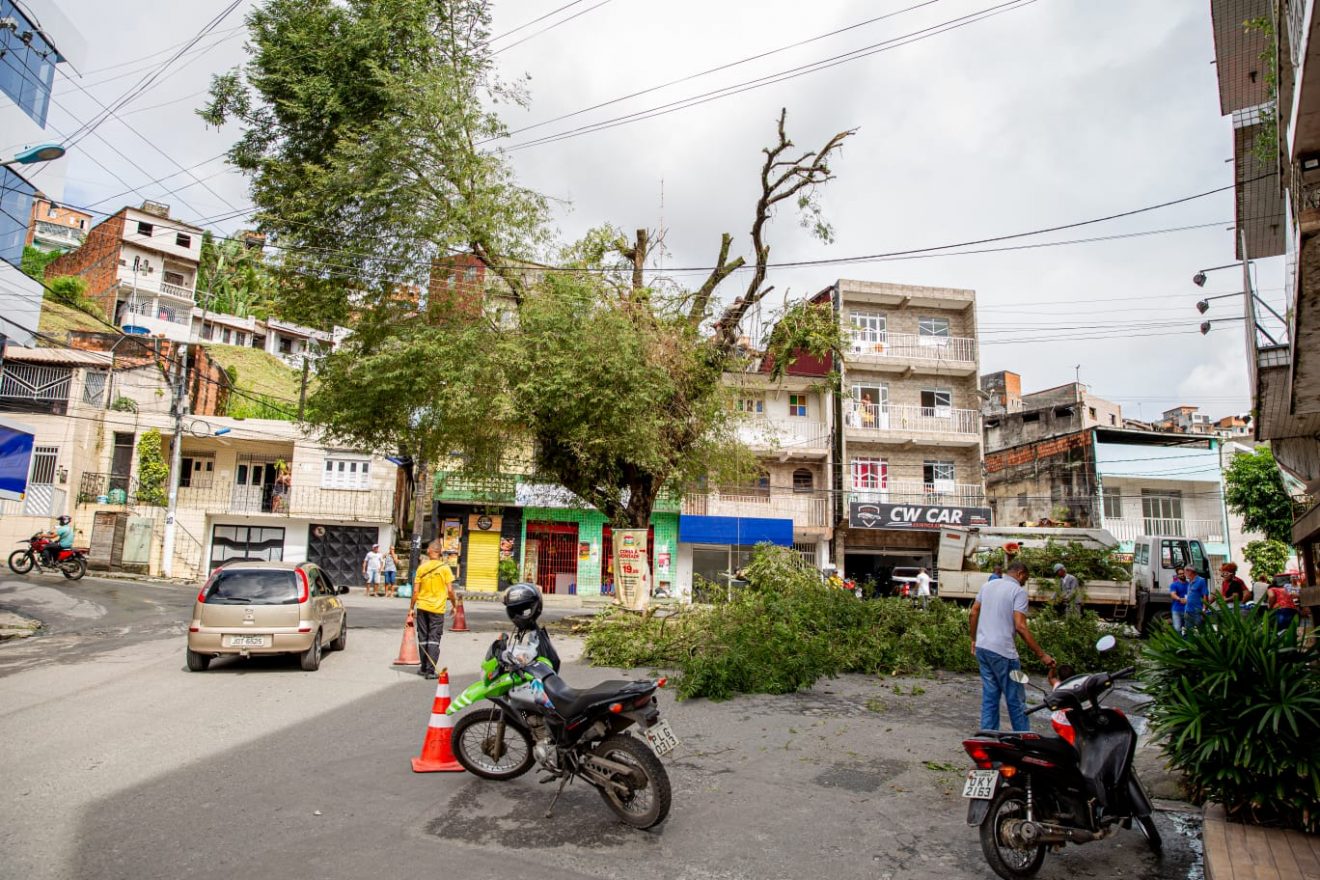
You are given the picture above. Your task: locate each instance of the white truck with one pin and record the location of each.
(961, 577)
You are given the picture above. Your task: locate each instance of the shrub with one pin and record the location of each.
(124, 404)
(152, 469)
(1267, 558)
(785, 630)
(1237, 709)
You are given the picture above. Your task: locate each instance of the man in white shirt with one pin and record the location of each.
(371, 566)
(923, 588)
(999, 613)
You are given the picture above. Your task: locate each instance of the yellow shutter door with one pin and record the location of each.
(483, 561)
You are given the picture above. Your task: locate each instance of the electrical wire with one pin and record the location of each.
(551, 27)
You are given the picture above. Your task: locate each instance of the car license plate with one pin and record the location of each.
(661, 737)
(980, 784)
(245, 641)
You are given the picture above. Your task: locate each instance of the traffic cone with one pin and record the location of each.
(437, 755)
(460, 617)
(408, 647)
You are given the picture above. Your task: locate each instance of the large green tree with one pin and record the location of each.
(1254, 488)
(363, 131)
(234, 279)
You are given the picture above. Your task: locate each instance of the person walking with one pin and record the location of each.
(389, 569)
(371, 565)
(1283, 607)
(923, 588)
(1178, 602)
(433, 590)
(999, 613)
(1070, 591)
(1198, 595)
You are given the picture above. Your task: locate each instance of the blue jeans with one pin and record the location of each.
(1178, 618)
(1193, 619)
(995, 681)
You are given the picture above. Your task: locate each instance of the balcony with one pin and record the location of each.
(1209, 530)
(889, 423)
(909, 352)
(182, 291)
(807, 510)
(789, 437)
(35, 388)
(941, 494)
(312, 502)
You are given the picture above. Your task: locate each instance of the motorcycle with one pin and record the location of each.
(70, 562)
(1030, 791)
(538, 719)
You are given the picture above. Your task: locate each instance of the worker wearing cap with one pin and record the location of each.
(1070, 591)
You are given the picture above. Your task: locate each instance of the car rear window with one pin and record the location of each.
(252, 587)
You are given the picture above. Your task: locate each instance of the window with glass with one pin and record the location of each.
(869, 474)
(869, 407)
(94, 385)
(1162, 511)
(1113, 501)
(797, 405)
(803, 481)
(16, 196)
(938, 476)
(937, 403)
(146, 229)
(196, 471)
(933, 331)
(183, 240)
(346, 473)
(27, 64)
(751, 404)
(868, 331)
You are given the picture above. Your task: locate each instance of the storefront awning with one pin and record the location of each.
(735, 530)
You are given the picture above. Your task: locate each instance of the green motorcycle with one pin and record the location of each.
(538, 719)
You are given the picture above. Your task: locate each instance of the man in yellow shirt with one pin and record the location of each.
(433, 588)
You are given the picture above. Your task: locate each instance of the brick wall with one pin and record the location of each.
(999, 461)
(208, 384)
(97, 262)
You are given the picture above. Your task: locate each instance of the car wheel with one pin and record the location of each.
(310, 660)
(341, 641)
(196, 662)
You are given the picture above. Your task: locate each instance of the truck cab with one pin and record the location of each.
(1156, 559)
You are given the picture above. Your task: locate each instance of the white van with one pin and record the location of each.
(1155, 560)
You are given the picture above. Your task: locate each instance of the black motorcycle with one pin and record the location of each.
(1031, 791)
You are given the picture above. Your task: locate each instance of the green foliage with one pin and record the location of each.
(786, 630)
(124, 404)
(1254, 488)
(1266, 145)
(234, 279)
(1083, 562)
(1267, 558)
(36, 260)
(1238, 710)
(508, 571)
(804, 328)
(152, 469)
(259, 406)
(71, 290)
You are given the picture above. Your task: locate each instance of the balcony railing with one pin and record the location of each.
(882, 417)
(807, 510)
(314, 502)
(1211, 530)
(942, 494)
(35, 388)
(149, 308)
(960, 350)
(786, 434)
(182, 291)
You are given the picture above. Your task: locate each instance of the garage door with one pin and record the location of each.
(339, 550)
(483, 561)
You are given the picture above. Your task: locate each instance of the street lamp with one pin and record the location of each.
(1199, 278)
(33, 155)
(1203, 306)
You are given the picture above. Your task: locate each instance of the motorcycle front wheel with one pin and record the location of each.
(489, 749)
(645, 798)
(1005, 859)
(74, 568)
(20, 562)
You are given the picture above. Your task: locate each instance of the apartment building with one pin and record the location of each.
(56, 227)
(909, 424)
(140, 266)
(35, 39)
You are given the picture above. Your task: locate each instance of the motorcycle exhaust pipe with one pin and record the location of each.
(1038, 833)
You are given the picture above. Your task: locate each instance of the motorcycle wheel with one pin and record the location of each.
(74, 568)
(20, 562)
(1006, 860)
(1153, 839)
(483, 752)
(644, 805)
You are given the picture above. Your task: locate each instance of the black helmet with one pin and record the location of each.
(522, 602)
(64, 520)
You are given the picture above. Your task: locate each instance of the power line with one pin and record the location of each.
(551, 27)
(536, 20)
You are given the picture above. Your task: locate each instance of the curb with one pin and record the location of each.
(16, 626)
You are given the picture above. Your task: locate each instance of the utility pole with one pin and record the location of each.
(421, 484)
(176, 456)
(302, 392)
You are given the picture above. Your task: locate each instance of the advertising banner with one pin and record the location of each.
(632, 570)
(864, 515)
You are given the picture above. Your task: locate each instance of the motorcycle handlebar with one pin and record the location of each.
(1036, 708)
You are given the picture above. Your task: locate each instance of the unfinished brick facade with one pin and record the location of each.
(96, 262)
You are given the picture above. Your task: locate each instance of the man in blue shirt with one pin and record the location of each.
(1198, 594)
(1178, 602)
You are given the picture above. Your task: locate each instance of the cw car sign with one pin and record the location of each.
(914, 516)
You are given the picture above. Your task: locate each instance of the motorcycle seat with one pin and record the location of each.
(570, 702)
(1046, 743)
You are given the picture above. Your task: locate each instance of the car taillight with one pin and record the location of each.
(304, 590)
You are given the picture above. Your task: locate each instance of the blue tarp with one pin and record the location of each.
(735, 530)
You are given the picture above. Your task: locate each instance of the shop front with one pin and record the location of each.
(882, 537)
(569, 550)
(482, 536)
(712, 549)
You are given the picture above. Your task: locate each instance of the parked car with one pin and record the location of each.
(249, 608)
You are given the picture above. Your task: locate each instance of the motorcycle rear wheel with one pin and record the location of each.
(644, 806)
(74, 568)
(484, 753)
(1153, 839)
(20, 562)
(1006, 860)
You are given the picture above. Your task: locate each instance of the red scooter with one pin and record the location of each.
(71, 562)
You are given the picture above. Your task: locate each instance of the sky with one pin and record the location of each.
(1047, 113)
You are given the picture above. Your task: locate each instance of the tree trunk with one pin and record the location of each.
(421, 487)
(642, 493)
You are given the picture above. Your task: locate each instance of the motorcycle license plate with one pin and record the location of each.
(980, 784)
(661, 737)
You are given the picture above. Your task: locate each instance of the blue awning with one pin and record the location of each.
(736, 530)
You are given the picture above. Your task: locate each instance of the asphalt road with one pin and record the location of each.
(119, 763)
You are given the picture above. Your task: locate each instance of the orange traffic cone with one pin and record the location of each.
(408, 647)
(460, 617)
(437, 755)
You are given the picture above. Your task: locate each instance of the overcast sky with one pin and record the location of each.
(1049, 113)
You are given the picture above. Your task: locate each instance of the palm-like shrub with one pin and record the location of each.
(1237, 708)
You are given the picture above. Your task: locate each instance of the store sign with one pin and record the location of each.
(914, 516)
(480, 522)
(632, 570)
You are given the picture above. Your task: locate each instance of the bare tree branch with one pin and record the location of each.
(723, 269)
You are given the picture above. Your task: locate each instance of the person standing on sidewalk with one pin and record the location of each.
(390, 570)
(1070, 591)
(1198, 596)
(371, 570)
(1000, 612)
(1178, 602)
(433, 588)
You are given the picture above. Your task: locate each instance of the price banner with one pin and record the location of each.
(632, 570)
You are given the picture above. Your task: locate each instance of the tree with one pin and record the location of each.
(1254, 489)
(234, 279)
(1267, 558)
(36, 260)
(152, 470)
(586, 373)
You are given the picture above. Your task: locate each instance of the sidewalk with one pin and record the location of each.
(1234, 851)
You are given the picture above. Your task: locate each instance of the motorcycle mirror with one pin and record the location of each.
(1019, 676)
(1106, 643)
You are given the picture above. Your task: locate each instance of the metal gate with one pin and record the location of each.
(41, 482)
(552, 547)
(339, 550)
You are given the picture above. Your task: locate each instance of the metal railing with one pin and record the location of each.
(917, 492)
(910, 346)
(187, 551)
(807, 510)
(1211, 530)
(114, 488)
(881, 417)
(34, 382)
(788, 434)
(369, 505)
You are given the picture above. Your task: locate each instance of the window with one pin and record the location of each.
(207, 331)
(94, 382)
(757, 488)
(174, 278)
(183, 240)
(196, 471)
(1161, 511)
(868, 332)
(225, 336)
(286, 346)
(52, 211)
(797, 405)
(1091, 411)
(803, 481)
(937, 402)
(1173, 554)
(1141, 554)
(869, 474)
(1113, 419)
(933, 331)
(938, 476)
(869, 407)
(145, 229)
(27, 64)
(1113, 499)
(752, 405)
(82, 224)
(346, 473)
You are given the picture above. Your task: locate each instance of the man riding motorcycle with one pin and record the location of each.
(60, 539)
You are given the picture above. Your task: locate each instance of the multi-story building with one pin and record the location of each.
(1233, 426)
(141, 269)
(909, 424)
(35, 38)
(56, 227)
(1188, 420)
